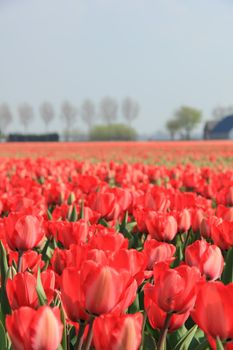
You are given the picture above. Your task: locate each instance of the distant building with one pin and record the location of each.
(221, 129)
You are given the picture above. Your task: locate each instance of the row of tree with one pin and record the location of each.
(107, 111)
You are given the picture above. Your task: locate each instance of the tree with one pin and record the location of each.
(130, 109)
(173, 126)
(113, 132)
(68, 114)
(108, 109)
(25, 115)
(5, 117)
(188, 118)
(88, 113)
(47, 113)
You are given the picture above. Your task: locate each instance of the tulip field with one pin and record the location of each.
(116, 246)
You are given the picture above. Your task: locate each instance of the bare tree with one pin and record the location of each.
(5, 117)
(47, 113)
(130, 109)
(88, 113)
(68, 114)
(108, 109)
(25, 115)
(220, 112)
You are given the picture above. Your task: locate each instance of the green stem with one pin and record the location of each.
(89, 334)
(186, 240)
(80, 337)
(143, 328)
(20, 260)
(163, 335)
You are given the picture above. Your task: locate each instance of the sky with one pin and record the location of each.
(162, 53)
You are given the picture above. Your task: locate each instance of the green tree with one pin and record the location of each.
(188, 118)
(112, 132)
(173, 126)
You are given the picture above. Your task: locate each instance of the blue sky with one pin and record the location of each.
(163, 53)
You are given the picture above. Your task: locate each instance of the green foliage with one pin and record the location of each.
(185, 119)
(188, 118)
(227, 276)
(173, 126)
(112, 132)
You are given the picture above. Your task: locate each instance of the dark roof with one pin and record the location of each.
(209, 125)
(225, 125)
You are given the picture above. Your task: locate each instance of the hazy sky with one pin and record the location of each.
(163, 53)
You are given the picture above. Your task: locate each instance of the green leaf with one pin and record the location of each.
(73, 215)
(5, 306)
(49, 215)
(219, 345)
(44, 250)
(71, 198)
(3, 341)
(124, 223)
(64, 335)
(135, 306)
(185, 341)
(41, 180)
(40, 290)
(103, 222)
(174, 337)
(203, 346)
(149, 343)
(11, 272)
(227, 276)
(130, 226)
(4, 263)
(81, 213)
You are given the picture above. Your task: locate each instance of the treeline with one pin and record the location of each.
(186, 119)
(108, 111)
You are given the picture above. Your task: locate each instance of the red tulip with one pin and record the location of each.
(214, 309)
(35, 330)
(58, 260)
(70, 232)
(72, 296)
(207, 225)
(130, 260)
(111, 242)
(197, 216)
(162, 227)
(105, 204)
(31, 260)
(222, 234)
(158, 251)
(21, 290)
(226, 213)
(112, 332)
(23, 232)
(106, 289)
(176, 288)
(184, 220)
(156, 315)
(139, 214)
(206, 257)
(157, 199)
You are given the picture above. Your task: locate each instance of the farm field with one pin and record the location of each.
(116, 246)
(147, 152)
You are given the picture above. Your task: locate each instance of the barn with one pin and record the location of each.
(221, 129)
